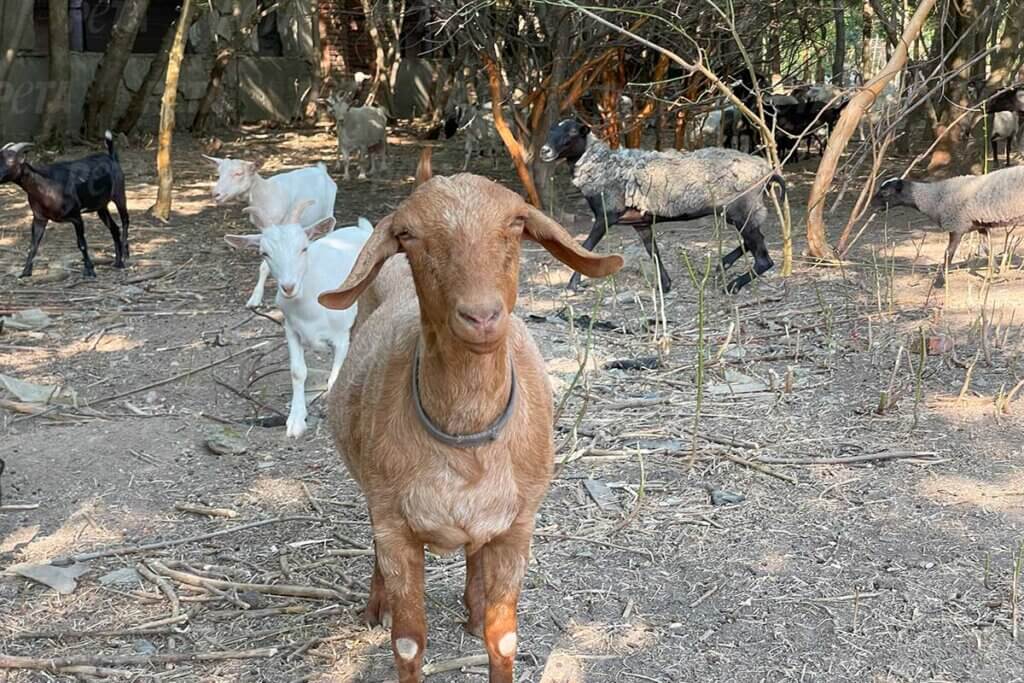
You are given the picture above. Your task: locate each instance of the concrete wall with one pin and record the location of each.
(258, 88)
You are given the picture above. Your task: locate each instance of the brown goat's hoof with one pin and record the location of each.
(377, 614)
(474, 628)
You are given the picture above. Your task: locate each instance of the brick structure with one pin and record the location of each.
(345, 45)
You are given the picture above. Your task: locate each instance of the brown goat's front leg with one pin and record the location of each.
(504, 564)
(400, 563)
(378, 612)
(474, 596)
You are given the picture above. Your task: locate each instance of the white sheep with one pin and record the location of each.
(961, 205)
(640, 187)
(273, 198)
(305, 268)
(363, 130)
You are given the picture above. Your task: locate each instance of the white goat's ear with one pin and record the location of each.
(560, 244)
(213, 160)
(321, 227)
(243, 241)
(381, 246)
(253, 166)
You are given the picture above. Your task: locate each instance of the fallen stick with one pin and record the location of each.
(270, 589)
(454, 664)
(99, 671)
(75, 635)
(180, 375)
(204, 510)
(163, 584)
(350, 552)
(226, 614)
(18, 507)
(131, 549)
(757, 466)
(57, 663)
(853, 459)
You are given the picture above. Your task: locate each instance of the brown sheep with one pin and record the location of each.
(468, 464)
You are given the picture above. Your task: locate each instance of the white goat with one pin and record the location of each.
(363, 130)
(303, 269)
(274, 197)
(476, 123)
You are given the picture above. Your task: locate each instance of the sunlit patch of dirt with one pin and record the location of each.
(278, 493)
(81, 528)
(107, 343)
(1003, 495)
(598, 638)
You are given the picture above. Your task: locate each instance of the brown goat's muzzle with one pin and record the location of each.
(480, 323)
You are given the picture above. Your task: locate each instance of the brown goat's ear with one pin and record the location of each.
(381, 246)
(424, 169)
(560, 244)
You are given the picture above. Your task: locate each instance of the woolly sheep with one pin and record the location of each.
(961, 205)
(305, 268)
(443, 409)
(273, 198)
(1003, 126)
(637, 187)
(363, 130)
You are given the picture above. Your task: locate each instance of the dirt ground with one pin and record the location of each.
(875, 533)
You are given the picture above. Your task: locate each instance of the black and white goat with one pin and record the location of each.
(639, 187)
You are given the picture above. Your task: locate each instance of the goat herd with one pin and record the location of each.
(439, 399)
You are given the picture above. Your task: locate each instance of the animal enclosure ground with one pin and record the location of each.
(882, 492)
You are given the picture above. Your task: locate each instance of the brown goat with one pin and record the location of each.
(445, 309)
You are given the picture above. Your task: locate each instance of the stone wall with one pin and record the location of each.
(257, 88)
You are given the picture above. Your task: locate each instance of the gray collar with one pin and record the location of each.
(461, 440)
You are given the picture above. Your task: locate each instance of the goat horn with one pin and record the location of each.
(17, 146)
(298, 209)
(261, 219)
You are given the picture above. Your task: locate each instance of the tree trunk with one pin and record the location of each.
(157, 67)
(55, 113)
(950, 127)
(316, 86)
(165, 176)
(1006, 59)
(866, 30)
(839, 53)
(635, 134)
(384, 34)
(101, 98)
(515, 149)
(213, 88)
(817, 243)
(21, 24)
(558, 27)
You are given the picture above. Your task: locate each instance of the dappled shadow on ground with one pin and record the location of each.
(875, 539)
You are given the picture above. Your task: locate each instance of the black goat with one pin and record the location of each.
(64, 190)
(795, 122)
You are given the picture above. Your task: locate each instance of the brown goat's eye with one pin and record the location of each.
(404, 236)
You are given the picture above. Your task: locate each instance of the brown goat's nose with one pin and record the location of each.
(481, 316)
